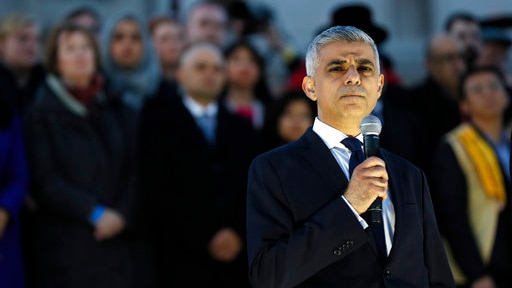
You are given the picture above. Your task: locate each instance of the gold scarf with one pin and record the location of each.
(485, 162)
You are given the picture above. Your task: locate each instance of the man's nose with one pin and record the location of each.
(352, 76)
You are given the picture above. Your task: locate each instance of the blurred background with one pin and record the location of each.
(408, 23)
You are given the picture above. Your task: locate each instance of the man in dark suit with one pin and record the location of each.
(194, 180)
(305, 225)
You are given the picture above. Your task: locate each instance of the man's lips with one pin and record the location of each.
(351, 95)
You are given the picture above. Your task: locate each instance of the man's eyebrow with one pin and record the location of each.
(365, 61)
(362, 61)
(336, 62)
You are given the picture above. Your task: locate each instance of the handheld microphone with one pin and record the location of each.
(370, 128)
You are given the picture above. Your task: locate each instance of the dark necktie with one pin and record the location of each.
(356, 157)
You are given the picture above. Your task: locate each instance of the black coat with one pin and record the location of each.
(76, 163)
(438, 114)
(19, 96)
(402, 132)
(192, 190)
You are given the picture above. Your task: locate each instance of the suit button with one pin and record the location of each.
(337, 252)
(387, 274)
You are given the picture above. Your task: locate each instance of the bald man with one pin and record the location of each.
(194, 177)
(435, 99)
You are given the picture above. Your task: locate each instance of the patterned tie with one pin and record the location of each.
(356, 157)
(207, 125)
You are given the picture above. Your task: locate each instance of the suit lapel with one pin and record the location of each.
(323, 163)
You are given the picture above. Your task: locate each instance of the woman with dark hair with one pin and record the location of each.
(80, 144)
(13, 187)
(287, 119)
(246, 92)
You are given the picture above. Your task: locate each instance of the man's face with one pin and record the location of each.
(446, 62)
(207, 23)
(468, 34)
(202, 74)
(493, 54)
(347, 83)
(168, 41)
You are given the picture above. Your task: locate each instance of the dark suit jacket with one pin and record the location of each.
(302, 234)
(401, 128)
(192, 190)
(438, 113)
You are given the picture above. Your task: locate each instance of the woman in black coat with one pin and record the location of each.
(80, 142)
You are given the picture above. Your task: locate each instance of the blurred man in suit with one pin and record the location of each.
(194, 159)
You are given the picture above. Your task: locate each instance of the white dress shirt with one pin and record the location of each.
(198, 110)
(332, 139)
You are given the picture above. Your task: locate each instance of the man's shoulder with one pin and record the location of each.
(398, 162)
(284, 154)
(279, 152)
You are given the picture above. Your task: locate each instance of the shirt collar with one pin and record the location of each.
(330, 135)
(197, 110)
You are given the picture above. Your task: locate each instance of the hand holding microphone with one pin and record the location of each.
(369, 178)
(371, 127)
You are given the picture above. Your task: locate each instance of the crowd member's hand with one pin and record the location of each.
(4, 219)
(225, 245)
(110, 224)
(484, 282)
(369, 181)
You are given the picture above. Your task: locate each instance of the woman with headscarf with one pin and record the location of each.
(130, 62)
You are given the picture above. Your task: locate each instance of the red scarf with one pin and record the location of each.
(85, 95)
(245, 111)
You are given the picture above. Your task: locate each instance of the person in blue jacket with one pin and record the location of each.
(13, 187)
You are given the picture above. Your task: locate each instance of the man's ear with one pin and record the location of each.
(308, 86)
(381, 84)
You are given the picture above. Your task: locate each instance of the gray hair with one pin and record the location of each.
(336, 34)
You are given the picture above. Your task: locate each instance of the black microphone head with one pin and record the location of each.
(371, 125)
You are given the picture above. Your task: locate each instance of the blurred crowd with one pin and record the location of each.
(125, 142)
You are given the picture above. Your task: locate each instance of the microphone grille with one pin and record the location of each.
(371, 125)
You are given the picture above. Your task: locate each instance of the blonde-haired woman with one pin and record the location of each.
(20, 69)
